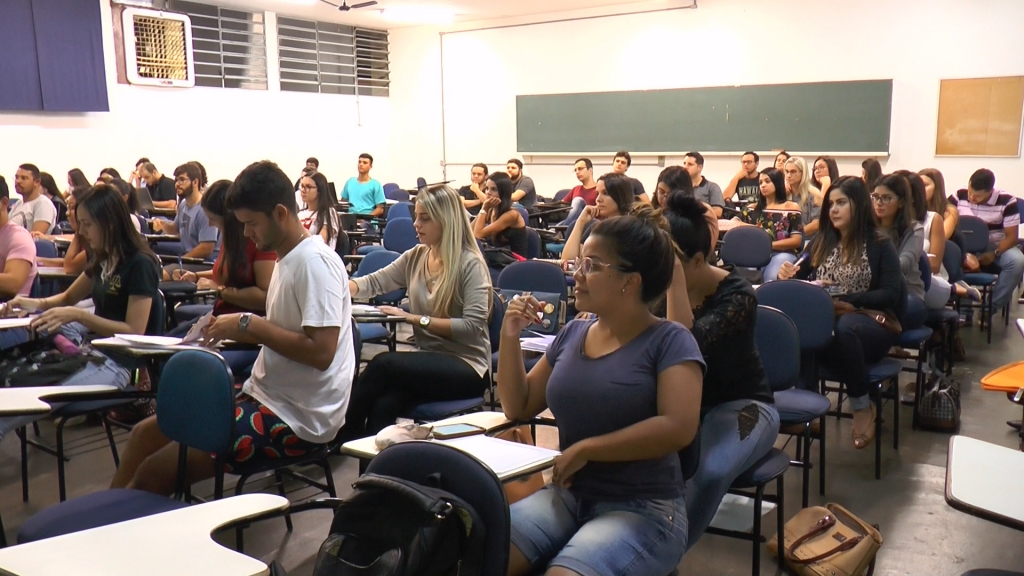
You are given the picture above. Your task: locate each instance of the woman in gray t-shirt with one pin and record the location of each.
(625, 392)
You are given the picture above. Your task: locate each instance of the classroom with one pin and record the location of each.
(284, 283)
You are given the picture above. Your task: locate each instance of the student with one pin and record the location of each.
(198, 238)
(135, 179)
(161, 188)
(17, 252)
(76, 258)
(583, 195)
(620, 163)
(296, 398)
(703, 189)
(825, 172)
(365, 194)
(108, 174)
(76, 178)
(870, 171)
(499, 223)
(614, 198)
(798, 182)
(122, 281)
(849, 253)
(311, 167)
(319, 215)
(35, 212)
(744, 186)
(893, 204)
(720, 308)
(671, 179)
(473, 194)
(132, 199)
(524, 191)
(934, 245)
(780, 160)
(449, 303)
(1000, 211)
(625, 391)
(50, 190)
(779, 217)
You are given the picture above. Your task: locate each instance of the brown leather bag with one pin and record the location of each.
(520, 488)
(829, 541)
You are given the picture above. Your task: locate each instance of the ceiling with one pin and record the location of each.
(466, 10)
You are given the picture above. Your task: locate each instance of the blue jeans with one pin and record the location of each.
(727, 449)
(771, 271)
(553, 527)
(1011, 264)
(575, 209)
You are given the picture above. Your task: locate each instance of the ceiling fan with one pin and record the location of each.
(345, 7)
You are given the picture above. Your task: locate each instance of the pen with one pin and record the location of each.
(800, 260)
(180, 271)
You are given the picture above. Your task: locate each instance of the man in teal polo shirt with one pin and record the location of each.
(365, 194)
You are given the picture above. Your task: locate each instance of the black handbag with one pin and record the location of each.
(498, 258)
(939, 407)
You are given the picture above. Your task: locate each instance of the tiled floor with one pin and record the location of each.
(923, 535)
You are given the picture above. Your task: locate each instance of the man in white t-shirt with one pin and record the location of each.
(36, 213)
(297, 396)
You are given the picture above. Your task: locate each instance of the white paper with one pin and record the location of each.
(503, 457)
(364, 310)
(142, 340)
(537, 343)
(7, 323)
(197, 329)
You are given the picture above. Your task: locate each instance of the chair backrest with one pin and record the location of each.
(809, 307)
(452, 470)
(495, 321)
(561, 194)
(746, 246)
(45, 248)
(375, 261)
(915, 313)
(953, 261)
(342, 244)
(526, 215)
(400, 236)
(925, 266)
(421, 184)
(400, 210)
(161, 315)
(357, 345)
(397, 194)
(535, 277)
(533, 244)
(196, 401)
(389, 187)
(975, 234)
(778, 345)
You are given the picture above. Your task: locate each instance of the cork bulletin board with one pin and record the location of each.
(980, 117)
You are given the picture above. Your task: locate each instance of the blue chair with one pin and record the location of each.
(41, 289)
(196, 408)
(555, 248)
(397, 194)
(747, 247)
(561, 194)
(421, 184)
(379, 333)
(975, 232)
(532, 244)
(454, 471)
(778, 344)
(400, 235)
(401, 210)
(946, 319)
(810, 308)
(536, 276)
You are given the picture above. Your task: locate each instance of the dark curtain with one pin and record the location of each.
(19, 66)
(69, 43)
(51, 56)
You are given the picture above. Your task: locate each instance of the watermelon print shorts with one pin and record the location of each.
(261, 435)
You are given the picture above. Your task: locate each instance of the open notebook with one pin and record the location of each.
(506, 459)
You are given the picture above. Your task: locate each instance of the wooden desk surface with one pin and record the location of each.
(172, 544)
(54, 273)
(365, 447)
(34, 399)
(983, 480)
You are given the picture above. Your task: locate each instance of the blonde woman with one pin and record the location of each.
(798, 182)
(449, 301)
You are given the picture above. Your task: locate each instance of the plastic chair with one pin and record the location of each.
(397, 194)
(401, 210)
(778, 344)
(946, 319)
(400, 235)
(561, 194)
(41, 289)
(747, 247)
(379, 333)
(454, 471)
(532, 244)
(810, 308)
(421, 184)
(975, 232)
(196, 408)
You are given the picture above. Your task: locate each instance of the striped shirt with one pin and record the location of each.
(999, 212)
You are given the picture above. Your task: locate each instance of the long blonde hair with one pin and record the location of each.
(444, 206)
(805, 187)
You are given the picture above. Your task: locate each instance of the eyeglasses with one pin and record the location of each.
(882, 199)
(584, 265)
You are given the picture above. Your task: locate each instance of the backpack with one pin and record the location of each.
(393, 527)
(39, 363)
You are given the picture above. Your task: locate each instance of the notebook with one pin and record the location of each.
(506, 459)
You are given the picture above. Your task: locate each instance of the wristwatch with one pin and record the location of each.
(424, 321)
(243, 321)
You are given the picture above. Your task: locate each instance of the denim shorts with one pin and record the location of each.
(553, 527)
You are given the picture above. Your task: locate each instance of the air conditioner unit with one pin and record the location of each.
(158, 48)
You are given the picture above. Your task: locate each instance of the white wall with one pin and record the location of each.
(723, 42)
(225, 129)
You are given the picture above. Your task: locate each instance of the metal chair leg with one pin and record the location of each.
(807, 463)
(781, 515)
(878, 434)
(756, 533)
(21, 432)
(821, 457)
(279, 478)
(110, 439)
(61, 481)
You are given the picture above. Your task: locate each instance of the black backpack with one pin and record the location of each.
(393, 527)
(38, 363)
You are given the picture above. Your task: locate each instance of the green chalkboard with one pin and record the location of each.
(815, 117)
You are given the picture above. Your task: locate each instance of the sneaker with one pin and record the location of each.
(975, 294)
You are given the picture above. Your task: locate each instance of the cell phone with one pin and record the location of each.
(450, 431)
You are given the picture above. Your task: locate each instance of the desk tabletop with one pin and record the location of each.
(34, 399)
(169, 212)
(162, 237)
(61, 238)
(983, 480)
(377, 319)
(54, 273)
(171, 544)
(365, 447)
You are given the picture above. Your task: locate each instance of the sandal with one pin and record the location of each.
(864, 436)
